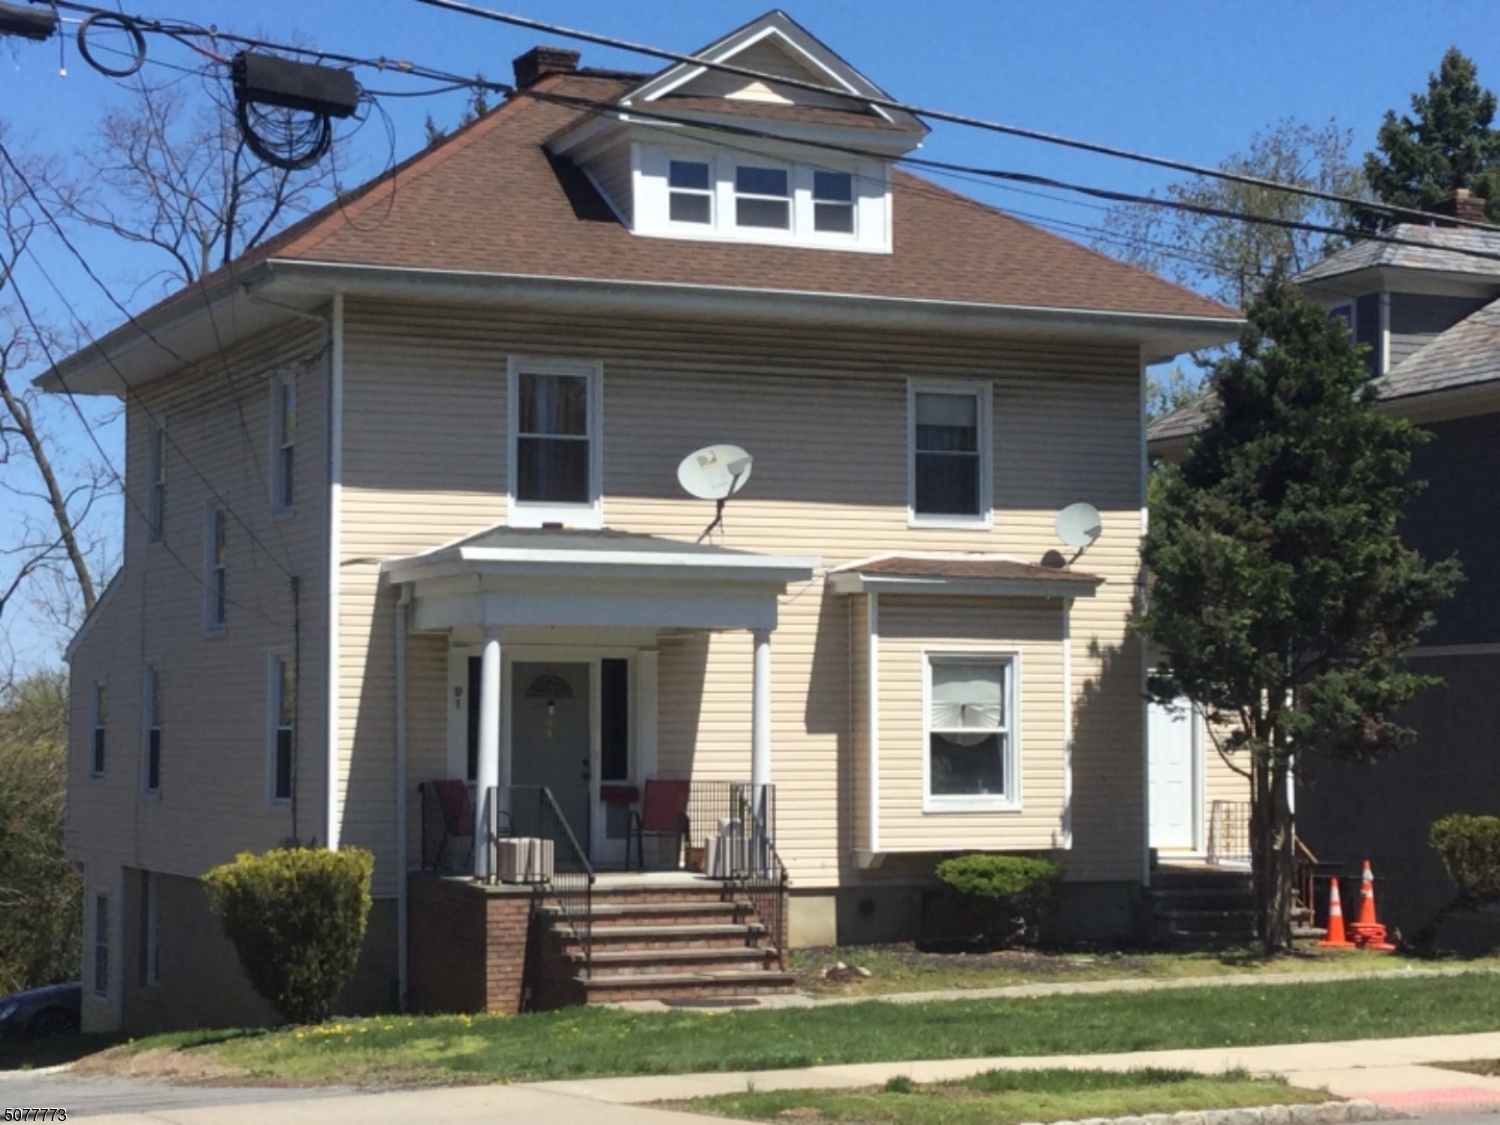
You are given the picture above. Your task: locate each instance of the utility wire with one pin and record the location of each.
(130, 391)
(880, 102)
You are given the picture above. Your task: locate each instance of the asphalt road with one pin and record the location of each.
(91, 1097)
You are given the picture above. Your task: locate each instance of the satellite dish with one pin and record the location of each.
(1078, 525)
(715, 472)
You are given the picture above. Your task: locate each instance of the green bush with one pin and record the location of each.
(1010, 895)
(1470, 847)
(297, 919)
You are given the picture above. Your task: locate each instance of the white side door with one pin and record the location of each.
(1172, 761)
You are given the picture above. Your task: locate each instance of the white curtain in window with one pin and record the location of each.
(968, 697)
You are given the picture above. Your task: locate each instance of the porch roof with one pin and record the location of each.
(975, 575)
(599, 578)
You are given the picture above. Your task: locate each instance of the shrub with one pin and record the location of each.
(1011, 895)
(1470, 847)
(297, 920)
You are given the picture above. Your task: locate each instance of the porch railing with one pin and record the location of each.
(531, 811)
(763, 880)
(1229, 833)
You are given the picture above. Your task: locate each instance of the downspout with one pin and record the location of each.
(1144, 469)
(335, 514)
(1067, 722)
(873, 703)
(401, 934)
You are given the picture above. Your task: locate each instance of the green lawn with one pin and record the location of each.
(1001, 1097)
(594, 1041)
(903, 968)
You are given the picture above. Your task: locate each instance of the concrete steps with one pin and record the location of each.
(1202, 907)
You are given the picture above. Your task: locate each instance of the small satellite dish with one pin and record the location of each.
(715, 472)
(1078, 525)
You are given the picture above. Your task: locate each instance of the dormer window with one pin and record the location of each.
(762, 197)
(690, 191)
(833, 202)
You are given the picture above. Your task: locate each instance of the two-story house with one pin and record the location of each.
(403, 507)
(1426, 306)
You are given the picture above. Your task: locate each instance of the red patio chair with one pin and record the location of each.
(663, 812)
(458, 815)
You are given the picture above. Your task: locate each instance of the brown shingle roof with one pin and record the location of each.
(490, 199)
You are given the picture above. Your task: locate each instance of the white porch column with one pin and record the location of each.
(487, 776)
(760, 711)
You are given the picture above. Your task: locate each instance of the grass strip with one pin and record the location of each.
(582, 1042)
(1007, 1097)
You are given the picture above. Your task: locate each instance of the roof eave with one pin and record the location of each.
(850, 582)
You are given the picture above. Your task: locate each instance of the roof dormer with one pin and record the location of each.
(701, 153)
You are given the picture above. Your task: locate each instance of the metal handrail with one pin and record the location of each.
(571, 882)
(764, 879)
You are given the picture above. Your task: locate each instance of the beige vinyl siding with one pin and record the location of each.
(911, 629)
(824, 413)
(215, 689)
(1221, 780)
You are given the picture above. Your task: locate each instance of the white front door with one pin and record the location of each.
(1172, 761)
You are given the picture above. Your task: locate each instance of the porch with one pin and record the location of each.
(563, 852)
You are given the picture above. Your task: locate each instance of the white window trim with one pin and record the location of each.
(274, 658)
(215, 624)
(710, 193)
(869, 180)
(286, 376)
(150, 721)
(982, 389)
(1010, 800)
(530, 513)
(98, 724)
(156, 499)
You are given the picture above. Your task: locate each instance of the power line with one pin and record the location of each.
(879, 102)
(130, 391)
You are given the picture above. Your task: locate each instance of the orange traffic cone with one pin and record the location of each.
(1368, 933)
(1336, 938)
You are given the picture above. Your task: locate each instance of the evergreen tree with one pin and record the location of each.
(1446, 143)
(1283, 597)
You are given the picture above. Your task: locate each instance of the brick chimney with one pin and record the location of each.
(1459, 204)
(539, 62)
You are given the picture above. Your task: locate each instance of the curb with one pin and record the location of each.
(1324, 1113)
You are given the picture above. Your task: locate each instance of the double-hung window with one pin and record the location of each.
(690, 192)
(215, 569)
(555, 458)
(833, 202)
(156, 503)
(949, 453)
(151, 730)
(99, 708)
(283, 715)
(971, 732)
(283, 441)
(762, 197)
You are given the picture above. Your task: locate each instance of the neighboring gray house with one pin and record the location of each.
(1431, 318)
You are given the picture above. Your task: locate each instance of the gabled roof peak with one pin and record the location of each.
(773, 46)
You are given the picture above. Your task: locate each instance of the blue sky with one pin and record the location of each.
(1189, 80)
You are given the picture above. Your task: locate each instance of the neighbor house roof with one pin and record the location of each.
(1466, 355)
(1443, 250)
